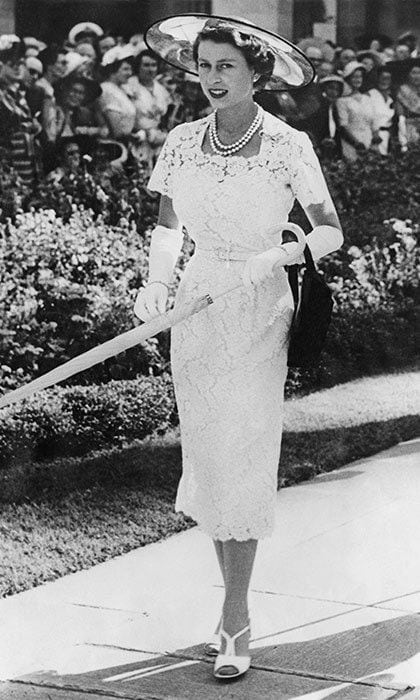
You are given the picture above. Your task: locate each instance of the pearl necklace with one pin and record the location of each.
(228, 150)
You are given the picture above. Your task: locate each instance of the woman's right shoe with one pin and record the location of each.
(229, 660)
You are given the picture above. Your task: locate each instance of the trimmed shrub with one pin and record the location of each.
(72, 421)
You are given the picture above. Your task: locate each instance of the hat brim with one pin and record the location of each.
(92, 87)
(172, 38)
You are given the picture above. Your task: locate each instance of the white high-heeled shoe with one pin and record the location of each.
(229, 658)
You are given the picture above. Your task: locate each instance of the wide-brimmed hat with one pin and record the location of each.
(173, 39)
(401, 69)
(119, 53)
(33, 63)
(116, 151)
(11, 47)
(368, 53)
(86, 144)
(32, 43)
(351, 67)
(84, 28)
(336, 79)
(92, 87)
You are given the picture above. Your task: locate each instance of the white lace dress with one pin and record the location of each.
(229, 362)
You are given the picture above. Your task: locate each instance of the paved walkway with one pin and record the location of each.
(335, 605)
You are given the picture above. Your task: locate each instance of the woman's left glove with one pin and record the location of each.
(261, 266)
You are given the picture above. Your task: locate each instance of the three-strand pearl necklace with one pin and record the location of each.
(228, 150)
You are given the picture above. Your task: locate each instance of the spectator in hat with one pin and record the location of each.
(384, 109)
(323, 127)
(108, 162)
(355, 113)
(343, 57)
(371, 62)
(33, 47)
(87, 50)
(408, 101)
(151, 101)
(116, 106)
(85, 31)
(54, 62)
(34, 93)
(18, 144)
(69, 152)
(76, 112)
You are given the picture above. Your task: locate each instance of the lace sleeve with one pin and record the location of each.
(307, 180)
(163, 173)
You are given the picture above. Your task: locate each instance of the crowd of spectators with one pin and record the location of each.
(112, 102)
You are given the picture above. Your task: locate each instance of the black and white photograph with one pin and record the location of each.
(209, 356)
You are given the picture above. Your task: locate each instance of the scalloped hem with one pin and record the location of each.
(225, 532)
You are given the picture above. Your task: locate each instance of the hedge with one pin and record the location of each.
(75, 420)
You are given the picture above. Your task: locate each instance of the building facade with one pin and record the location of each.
(342, 21)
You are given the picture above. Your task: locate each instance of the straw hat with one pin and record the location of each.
(84, 28)
(173, 39)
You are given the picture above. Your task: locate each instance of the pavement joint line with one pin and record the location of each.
(268, 669)
(332, 677)
(104, 607)
(307, 624)
(108, 693)
(356, 606)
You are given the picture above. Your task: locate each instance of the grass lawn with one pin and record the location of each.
(124, 498)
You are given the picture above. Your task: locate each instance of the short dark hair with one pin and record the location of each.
(146, 53)
(256, 52)
(114, 67)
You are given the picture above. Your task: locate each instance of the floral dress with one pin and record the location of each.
(229, 361)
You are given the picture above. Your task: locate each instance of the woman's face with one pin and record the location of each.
(225, 76)
(414, 76)
(76, 95)
(346, 56)
(123, 73)
(148, 70)
(368, 63)
(384, 80)
(12, 71)
(356, 79)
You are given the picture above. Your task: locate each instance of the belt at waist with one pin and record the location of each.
(227, 253)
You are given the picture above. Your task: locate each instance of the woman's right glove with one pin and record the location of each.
(165, 247)
(151, 301)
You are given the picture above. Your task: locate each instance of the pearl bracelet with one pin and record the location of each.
(157, 282)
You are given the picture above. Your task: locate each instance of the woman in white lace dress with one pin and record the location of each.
(231, 180)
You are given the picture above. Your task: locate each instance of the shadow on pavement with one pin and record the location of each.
(364, 655)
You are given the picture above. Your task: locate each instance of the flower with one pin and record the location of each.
(354, 252)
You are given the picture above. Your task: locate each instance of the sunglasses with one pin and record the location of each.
(34, 72)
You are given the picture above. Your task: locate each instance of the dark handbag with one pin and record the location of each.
(312, 315)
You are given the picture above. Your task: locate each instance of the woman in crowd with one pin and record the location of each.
(408, 101)
(355, 114)
(116, 106)
(18, 144)
(383, 109)
(76, 112)
(151, 101)
(231, 178)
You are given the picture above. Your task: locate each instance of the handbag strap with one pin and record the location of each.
(292, 272)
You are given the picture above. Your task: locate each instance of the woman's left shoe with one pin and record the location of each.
(229, 660)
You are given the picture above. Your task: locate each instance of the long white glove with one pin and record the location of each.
(165, 247)
(261, 266)
(323, 240)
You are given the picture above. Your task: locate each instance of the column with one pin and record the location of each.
(7, 16)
